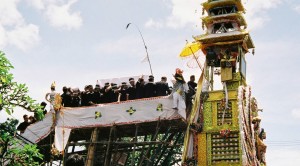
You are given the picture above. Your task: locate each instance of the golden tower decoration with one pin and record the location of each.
(224, 127)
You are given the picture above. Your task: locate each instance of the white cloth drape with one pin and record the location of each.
(143, 110)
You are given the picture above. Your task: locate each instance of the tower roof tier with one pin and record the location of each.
(236, 17)
(225, 39)
(210, 4)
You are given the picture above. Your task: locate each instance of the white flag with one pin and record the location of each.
(145, 60)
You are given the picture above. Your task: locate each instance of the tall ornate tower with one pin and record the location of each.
(229, 132)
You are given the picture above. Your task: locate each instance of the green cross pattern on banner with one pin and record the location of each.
(130, 111)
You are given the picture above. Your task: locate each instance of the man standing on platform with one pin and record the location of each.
(162, 87)
(179, 89)
(190, 95)
(131, 91)
(150, 88)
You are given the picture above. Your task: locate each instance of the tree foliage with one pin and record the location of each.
(13, 151)
(13, 94)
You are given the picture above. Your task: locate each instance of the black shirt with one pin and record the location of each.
(22, 126)
(131, 91)
(150, 89)
(162, 88)
(66, 99)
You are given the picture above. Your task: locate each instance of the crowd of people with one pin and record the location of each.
(111, 92)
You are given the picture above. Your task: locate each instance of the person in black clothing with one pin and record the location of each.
(31, 120)
(43, 104)
(150, 88)
(190, 95)
(123, 91)
(66, 97)
(113, 93)
(97, 94)
(131, 91)
(76, 99)
(84, 99)
(22, 126)
(140, 88)
(162, 87)
(192, 84)
(105, 95)
(90, 95)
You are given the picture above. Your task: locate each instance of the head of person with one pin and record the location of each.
(151, 78)
(192, 78)
(43, 104)
(65, 89)
(106, 85)
(75, 92)
(164, 79)
(114, 86)
(31, 119)
(90, 88)
(124, 85)
(131, 81)
(178, 71)
(97, 88)
(53, 86)
(86, 88)
(25, 117)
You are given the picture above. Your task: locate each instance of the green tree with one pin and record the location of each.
(13, 151)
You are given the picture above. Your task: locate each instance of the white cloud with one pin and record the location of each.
(256, 12)
(9, 14)
(296, 113)
(38, 4)
(59, 13)
(13, 28)
(154, 24)
(24, 37)
(117, 46)
(189, 12)
(62, 16)
(183, 13)
(283, 156)
(297, 9)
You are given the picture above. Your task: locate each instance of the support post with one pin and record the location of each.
(153, 138)
(107, 155)
(134, 145)
(92, 148)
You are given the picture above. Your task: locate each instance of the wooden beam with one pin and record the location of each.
(107, 155)
(92, 148)
(134, 145)
(150, 146)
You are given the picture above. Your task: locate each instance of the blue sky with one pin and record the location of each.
(76, 42)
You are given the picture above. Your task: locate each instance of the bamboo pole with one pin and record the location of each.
(106, 161)
(134, 145)
(92, 148)
(153, 138)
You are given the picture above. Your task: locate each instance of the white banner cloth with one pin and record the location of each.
(39, 130)
(61, 138)
(128, 112)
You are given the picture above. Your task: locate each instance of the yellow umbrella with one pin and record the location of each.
(190, 49)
